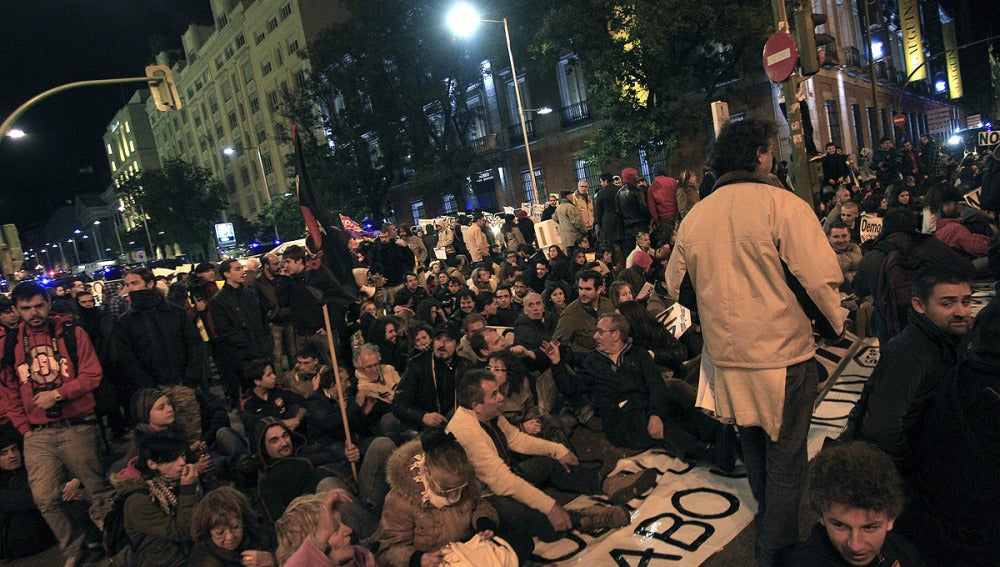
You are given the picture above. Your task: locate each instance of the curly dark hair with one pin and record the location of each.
(856, 474)
(736, 146)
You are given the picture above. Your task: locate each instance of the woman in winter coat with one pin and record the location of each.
(228, 533)
(158, 511)
(434, 499)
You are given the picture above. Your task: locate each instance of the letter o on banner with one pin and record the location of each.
(734, 503)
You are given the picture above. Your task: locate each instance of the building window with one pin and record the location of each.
(286, 11)
(529, 188)
(241, 40)
(450, 204)
(272, 24)
(572, 91)
(279, 131)
(293, 46)
(884, 115)
(233, 123)
(230, 183)
(265, 68)
(223, 20)
(872, 126)
(268, 166)
(254, 104)
(259, 37)
(229, 51)
(272, 100)
(417, 208)
(245, 174)
(833, 121)
(219, 62)
(300, 77)
(587, 172)
(261, 135)
(219, 132)
(859, 132)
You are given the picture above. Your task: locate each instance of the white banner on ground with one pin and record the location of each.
(690, 515)
(871, 225)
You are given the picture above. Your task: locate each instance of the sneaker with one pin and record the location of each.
(593, 518)
(624, 487)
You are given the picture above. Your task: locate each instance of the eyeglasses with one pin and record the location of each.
(440, 489)
(220, 532)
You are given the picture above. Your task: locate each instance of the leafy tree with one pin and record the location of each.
(651, 67)
(181, 200)
(392, 84)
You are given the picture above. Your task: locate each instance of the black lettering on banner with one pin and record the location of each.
(734, 503)
(644, 530)
(580, 545)
(645, 557)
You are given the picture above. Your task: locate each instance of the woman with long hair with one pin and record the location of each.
(619, 292)
(559, 266)
(520, 404)
(228, 533)
(311, 533)
(556, 297)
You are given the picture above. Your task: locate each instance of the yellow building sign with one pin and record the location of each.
(913, 47)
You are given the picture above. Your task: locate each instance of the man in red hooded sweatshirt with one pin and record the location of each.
(662, 201)
(48, 382)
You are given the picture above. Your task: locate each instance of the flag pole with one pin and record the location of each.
(341, 393)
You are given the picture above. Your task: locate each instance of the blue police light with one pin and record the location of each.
(277, 241)
(954, 140)
(45, 281)
(255, 245)
(940, 85)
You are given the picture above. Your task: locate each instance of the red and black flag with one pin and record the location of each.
(328, 258)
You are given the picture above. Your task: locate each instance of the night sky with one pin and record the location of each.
(45, 43)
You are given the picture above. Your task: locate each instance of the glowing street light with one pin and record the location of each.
(16, 134)
(463, 19)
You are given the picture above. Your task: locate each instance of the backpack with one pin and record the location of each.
(893, 294)
(115, 540)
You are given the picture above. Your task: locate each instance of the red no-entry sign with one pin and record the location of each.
(899, 120)
(780, 55)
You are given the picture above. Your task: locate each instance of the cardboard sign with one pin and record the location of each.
(973, 198)
(871, 225)
(676, 318)
(547, 233)
(440, 254)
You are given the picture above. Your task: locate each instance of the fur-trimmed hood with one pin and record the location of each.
(402, 478)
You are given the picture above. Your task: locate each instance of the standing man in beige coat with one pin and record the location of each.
(752, 260)
(475, 238)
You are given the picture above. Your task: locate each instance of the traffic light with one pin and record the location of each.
(815, 49)
(163, 88)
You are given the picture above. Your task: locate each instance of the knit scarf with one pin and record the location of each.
(163, 491)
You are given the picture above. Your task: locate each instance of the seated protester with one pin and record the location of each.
(538, 274)
(213, 446)
(483, 343)
(495, 447)
(160, 502)
(482, 279)
(470, 326)
(507, 310)
(635, 406)
(291, 468)
(560, 269)
(23, 531)
(619, 292)
(849, 214)
(386, 333)
(429, 312)
(434, 500)
(376, 385)
(953, 232)
(446, 293)
(911, 366)
(228, 533)
(465, 305)
(307, 366)
(952, 514)
(857, 494)
(659, 300)
(556, 298)
(637, 274)
(313, 533)
(426, 394)
(486, 304)
(265, 399)
(576, 327)
(650, 335)
(534, 325)
(848, 253)
(520, 405)
(422, 338)
(642, 244)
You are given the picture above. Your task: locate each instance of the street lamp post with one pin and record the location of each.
(97, 240)
(462, 19)
(229, 150)
(76, 251)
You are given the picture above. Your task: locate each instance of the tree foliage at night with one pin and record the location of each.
(392, 84)
(651, 67)
(181, 200)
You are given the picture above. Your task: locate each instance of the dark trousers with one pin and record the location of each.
(776, 470)
(686, 430)
(540, 471)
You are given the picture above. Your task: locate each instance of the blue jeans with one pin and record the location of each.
(52, 457)
(776, 470)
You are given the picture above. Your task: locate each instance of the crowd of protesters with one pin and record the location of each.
(428, 417)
